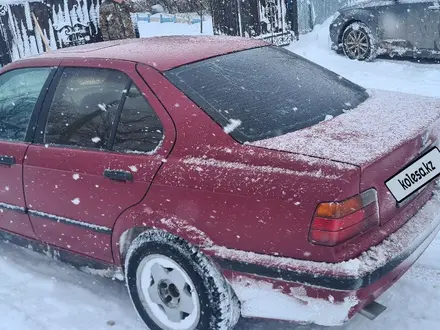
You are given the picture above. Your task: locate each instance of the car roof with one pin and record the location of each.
(163, 53)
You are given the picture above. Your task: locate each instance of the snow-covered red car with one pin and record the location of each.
(219, 177)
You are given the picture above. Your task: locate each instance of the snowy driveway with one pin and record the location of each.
(394, 75)
(37, 293)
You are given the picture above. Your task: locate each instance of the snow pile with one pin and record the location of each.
(157, 9)
(260, 299)
(376, 127)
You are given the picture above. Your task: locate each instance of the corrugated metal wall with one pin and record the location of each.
(312, 12)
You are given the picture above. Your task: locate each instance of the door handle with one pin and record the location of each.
(434, 8)
(116, 175)
(7, 160)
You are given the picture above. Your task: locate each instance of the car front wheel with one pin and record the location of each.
(173, 286)
(358, 42)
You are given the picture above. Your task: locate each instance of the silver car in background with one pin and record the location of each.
(368, 28)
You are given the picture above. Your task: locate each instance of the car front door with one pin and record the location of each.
(21, 93)
(98, 146)
(423, 24)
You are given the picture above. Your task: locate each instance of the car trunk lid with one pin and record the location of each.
(381, 136)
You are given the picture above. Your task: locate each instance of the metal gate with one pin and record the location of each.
(272, 20)
(274, 16)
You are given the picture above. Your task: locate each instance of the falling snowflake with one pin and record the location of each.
(133, 168)
(233, 124)
(76, 201)
(96, 139)
(102, 107)
(75, 176)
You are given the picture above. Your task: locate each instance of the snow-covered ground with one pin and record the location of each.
(37, 293)
(394, 75)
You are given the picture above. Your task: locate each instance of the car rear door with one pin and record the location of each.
(101, 138)
(21, 93)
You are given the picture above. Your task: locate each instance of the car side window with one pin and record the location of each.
(84, 107)
(19, 93)
(139, 128)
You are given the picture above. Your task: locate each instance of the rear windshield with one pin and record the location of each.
(265, 92)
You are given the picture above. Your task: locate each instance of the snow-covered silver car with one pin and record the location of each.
(369, 28)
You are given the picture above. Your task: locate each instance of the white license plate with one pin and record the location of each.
(416, 175)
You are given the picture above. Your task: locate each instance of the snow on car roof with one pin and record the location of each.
(164, 53)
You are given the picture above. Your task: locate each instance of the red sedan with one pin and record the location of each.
(219, 177)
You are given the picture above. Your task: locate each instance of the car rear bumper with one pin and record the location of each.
(323, 293)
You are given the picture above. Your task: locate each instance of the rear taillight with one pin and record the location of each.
(337, 222)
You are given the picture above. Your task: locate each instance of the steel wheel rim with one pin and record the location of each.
(167, 293)
(357, 44)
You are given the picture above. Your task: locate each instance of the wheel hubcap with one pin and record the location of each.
(168, 294)
(356, 44)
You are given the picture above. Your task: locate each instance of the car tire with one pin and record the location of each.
(173, 286)
(358, 42)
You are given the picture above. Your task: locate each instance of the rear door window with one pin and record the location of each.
(84, 107)
(265, 92)
(139, 128)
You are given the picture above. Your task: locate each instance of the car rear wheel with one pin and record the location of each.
(173, 286)
(358, 42)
